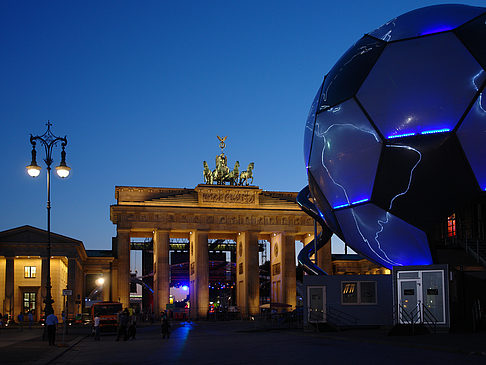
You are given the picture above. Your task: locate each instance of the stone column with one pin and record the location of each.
(9, 285)
(289, 279)
(161, 270)
(106, 286)
(80, 289)
(324, 258)
(282, 269)
(247, 274)
(198, 274)
(71, 284)
(123, 267)
(44, 275)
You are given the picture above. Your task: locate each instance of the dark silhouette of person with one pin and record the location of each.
(51, 323)
(165, 326)
(123, 324)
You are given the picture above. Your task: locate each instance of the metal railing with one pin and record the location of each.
(476, 249)
(419, 315)
(340, 318)
(316, 315)
(429, 319)
(331, 315)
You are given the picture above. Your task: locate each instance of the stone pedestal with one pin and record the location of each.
(198, 274)
(247, 274)
(161, 270)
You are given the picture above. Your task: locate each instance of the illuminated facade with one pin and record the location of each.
(23, 274)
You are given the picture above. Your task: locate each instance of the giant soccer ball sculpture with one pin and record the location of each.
(396, 135)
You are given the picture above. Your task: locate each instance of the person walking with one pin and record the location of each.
(20, 318)
(132, 328)
(31, 319)
(97, 327)
(122, 325)
(165, 326)
(51, 323)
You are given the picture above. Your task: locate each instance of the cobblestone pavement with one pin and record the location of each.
(28, 347)
(237, 343)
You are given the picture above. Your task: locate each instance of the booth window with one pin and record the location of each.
(358, 292)
(451, 226)
(29, 271)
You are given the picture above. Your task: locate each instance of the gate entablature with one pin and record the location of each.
(232, 209)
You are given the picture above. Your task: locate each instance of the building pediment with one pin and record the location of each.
(31, 235)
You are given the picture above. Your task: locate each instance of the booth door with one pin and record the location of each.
(316, 309)
(409, 300)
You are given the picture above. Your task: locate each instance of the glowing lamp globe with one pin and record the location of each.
(33, 170)
(63, 171)
(396, 136)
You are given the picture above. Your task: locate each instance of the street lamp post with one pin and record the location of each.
(49, 141)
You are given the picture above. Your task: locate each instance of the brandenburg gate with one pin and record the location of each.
(243, 213)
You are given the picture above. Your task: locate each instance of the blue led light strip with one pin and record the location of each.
(439, 29)
(351, 204)
(359, 201)
(401, 135)
(436, 131)
(342, 206)
(431, 131)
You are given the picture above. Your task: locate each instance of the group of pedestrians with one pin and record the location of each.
(21, 319)
(5, 321)
(127, 325)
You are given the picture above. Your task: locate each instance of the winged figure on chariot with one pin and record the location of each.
(222, 173)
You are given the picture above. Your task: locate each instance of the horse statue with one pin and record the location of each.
(208, 175)
(232, 177)
(247, 174)
(221, 170)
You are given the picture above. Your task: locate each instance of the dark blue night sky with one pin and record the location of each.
(142, 89)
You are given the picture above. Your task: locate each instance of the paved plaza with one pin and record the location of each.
(237, 342)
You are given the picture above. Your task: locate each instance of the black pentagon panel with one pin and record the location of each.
(347, 75)
(424, 21)
(473, 35)
(419, 86)
(472, 135)
(423, 179)
(324, 206)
